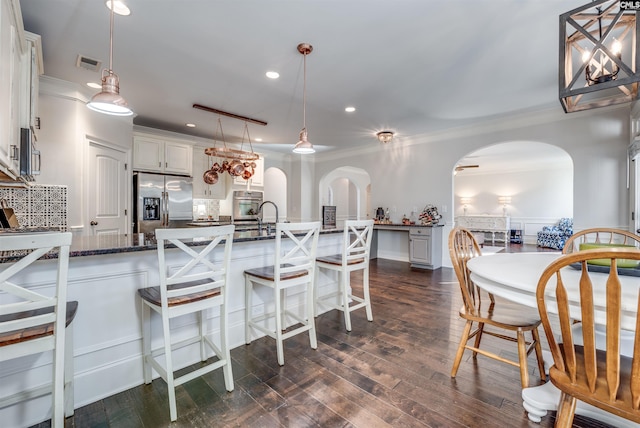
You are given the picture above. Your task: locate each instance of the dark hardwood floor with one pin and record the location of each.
(392, 372)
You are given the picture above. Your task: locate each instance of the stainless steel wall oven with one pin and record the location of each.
(245, 205)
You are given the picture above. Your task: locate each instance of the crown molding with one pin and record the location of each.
(522, 119)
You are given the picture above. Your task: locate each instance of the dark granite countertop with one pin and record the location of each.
(116, 244)
(400, 225)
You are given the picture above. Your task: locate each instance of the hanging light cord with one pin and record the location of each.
(304, 93)
(111, 40)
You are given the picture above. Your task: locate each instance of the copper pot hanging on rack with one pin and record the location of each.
(236, 168)
(210, 176)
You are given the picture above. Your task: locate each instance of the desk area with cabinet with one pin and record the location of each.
(425, 244)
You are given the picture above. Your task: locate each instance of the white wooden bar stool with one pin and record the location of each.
(31, 323)
(294, 264)
(196, 281)
(356, 249)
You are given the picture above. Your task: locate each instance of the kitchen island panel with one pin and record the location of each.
(107, 336)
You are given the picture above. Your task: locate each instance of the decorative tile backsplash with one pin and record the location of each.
(206, 209)
(38, 205)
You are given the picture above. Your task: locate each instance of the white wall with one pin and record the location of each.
(408, 173)
(348, 189)
(340, 191)
(538, 197)
(275, 180)
(66, 124)
(416, 171)
(541, 193)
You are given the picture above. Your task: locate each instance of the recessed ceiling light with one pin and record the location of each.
(258, 139)
(272, 74)
(350, 109)
(190, 125)
(94, 85)
(118, 7)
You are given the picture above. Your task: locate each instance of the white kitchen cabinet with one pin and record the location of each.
(202, 190)
(257, 180)
(11, 51)
(177, 158)
(20, 68)
(32, 68)
(425, 247)
(161, 155)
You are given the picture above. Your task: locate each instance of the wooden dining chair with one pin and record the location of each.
(604, 236)
(294, 264)
(599, 237)
(356, 248)
(194, 281)
(480, 308)
(582, 371)
(32, 321)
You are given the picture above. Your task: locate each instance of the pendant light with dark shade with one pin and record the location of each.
(109, 100)
(304, 146)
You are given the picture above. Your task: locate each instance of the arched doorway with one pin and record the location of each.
(273, 191)
(348, 189)
(530, 182)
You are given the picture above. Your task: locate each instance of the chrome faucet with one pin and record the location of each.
(260, 212)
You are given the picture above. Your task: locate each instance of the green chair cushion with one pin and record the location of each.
(622, 263)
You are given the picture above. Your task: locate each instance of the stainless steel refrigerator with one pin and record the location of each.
(161, 201)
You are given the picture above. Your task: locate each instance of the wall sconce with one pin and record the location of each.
(504, 200)
(465, 201)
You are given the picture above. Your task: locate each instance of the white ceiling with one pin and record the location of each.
(410, 66)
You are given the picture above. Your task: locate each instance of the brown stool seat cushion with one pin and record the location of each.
(152, 294)
(336, 259)
(268, 273)
(31, 333)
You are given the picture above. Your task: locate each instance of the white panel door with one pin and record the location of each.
(106, 191)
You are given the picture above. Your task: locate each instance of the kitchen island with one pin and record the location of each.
(105, 273)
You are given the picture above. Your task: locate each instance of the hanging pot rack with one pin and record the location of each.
(238, 163)
(232, 115)
(227, 153)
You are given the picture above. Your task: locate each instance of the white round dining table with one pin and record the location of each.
(514, 276)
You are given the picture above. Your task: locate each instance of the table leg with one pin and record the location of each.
(538, 400)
